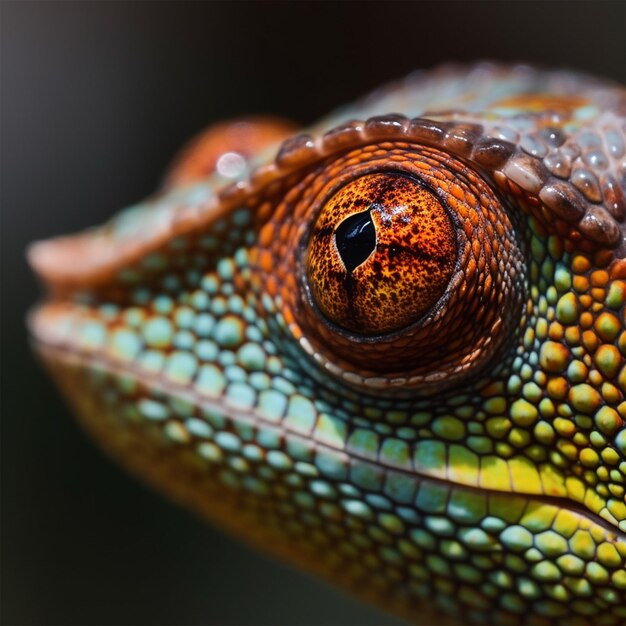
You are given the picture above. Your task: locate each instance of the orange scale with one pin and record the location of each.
(420, 165)
(283, 231)
(271, 285)
(555, 331)
(474, 218)
(581, 285)
(292, 196)
(264, 211)
(599, 278)
(581, 264)
(488, 284)
(618, 270)
(590, 340)
(288, 316)
(266, 261)
(333, 171)
(296, 331)
(266, 235)
(355, 160)
(586, 300)
(487, 249)
(458, 193)
(291, 282)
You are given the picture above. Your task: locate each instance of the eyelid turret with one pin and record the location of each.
(418, 315)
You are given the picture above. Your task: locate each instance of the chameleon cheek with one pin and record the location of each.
(381, 254)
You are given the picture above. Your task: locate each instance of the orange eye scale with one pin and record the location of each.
(381, 254)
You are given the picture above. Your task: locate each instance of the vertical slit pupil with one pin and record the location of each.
(355, 238)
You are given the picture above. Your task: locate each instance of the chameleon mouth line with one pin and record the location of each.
(69, 354)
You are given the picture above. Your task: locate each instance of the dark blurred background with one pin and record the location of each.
(95, 99)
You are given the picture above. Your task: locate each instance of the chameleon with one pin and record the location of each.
(389, 350)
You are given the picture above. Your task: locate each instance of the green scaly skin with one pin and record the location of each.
(499, 499)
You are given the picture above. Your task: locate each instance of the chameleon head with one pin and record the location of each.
(395, 355)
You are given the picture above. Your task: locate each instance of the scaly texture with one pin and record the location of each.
(461, 460)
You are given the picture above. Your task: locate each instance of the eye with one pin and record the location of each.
(381, 254)
(411, 270)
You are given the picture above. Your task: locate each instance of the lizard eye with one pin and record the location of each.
(411, 266)
(381, 254)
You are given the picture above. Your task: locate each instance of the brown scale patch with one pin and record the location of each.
(412, 253)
